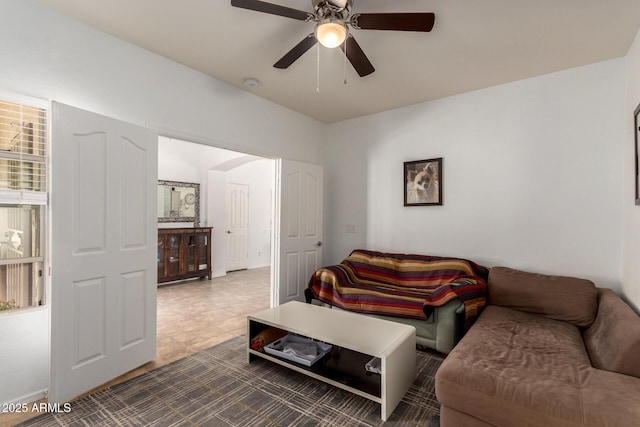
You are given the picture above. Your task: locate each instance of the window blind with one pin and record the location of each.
(23, 147)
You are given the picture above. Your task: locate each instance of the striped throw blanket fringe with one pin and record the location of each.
(402, 285)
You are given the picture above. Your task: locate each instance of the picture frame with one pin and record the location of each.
(423, 182)
(179, 202)
(636, 132)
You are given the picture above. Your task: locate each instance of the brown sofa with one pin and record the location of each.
(546, 351)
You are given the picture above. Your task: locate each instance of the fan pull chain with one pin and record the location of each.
(318, 71)
(344, 68)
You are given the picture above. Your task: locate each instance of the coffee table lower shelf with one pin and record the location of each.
(335, 372)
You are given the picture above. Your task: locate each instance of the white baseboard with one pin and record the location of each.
(29, 398)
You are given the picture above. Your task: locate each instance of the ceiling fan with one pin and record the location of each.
(333, 19)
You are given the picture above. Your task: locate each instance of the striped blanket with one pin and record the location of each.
(400, 285)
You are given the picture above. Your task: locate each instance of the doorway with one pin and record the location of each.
(241, 235)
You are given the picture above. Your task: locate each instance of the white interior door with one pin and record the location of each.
(298, 229)
(104, 243)
(237, 227)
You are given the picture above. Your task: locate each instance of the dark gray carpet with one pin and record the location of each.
(218, 387)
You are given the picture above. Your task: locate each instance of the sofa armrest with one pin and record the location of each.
(449, 320)
(613, 341)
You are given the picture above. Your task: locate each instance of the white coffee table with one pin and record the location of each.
(359, 339)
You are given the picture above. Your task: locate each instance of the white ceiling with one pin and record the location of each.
(474, 44)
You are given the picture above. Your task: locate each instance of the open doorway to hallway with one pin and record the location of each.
(236, 191)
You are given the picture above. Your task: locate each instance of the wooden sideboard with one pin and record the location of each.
(184, 253)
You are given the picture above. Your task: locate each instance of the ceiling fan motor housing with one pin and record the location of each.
(325, 9)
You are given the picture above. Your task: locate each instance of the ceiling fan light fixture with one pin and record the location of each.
(331, 32)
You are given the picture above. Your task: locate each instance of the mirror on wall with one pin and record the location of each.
(179, 202)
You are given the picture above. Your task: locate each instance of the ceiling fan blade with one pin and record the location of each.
(273, 9)
(297, 51)
(393, 21)
(356, 56)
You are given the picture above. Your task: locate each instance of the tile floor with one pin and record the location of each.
(194, 315)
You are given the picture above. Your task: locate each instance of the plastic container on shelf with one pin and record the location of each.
(304, 351)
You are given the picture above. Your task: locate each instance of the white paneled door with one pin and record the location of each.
(237, 227)
(103, 250)
(298, 240)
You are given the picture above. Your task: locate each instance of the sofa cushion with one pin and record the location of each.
(613, 341)
(563, 298)
(516, 368)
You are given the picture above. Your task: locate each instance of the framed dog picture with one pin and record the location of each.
(423, 182)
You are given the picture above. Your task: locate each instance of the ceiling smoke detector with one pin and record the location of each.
(250, 83)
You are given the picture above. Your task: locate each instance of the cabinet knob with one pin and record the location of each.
(319, 244)
(228, 231)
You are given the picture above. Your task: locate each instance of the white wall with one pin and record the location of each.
(24, 355)
(52, 57)
(631, 235)
(532, 176)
